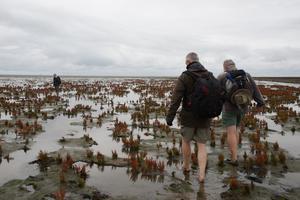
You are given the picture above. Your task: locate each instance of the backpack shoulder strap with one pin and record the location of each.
(236, 73)
(192, 77)
(191, 74)
(204, 74)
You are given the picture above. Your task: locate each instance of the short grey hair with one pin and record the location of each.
(192, 57)
(229, 65)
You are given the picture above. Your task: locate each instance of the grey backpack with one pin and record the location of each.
(238, 88)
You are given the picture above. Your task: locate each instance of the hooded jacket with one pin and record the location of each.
(183, 87)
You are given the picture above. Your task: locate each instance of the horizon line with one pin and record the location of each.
(119, 76)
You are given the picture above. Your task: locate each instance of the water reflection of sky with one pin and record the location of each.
(286, 139)
(117, 181)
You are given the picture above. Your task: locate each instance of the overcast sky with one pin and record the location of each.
(139, 37)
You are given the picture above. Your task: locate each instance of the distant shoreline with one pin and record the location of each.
(279, 79)
(83, 76)
(272, 79)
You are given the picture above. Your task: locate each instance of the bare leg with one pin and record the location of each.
(237, 135)
(232, 139)
(202, 160)
(186, 150)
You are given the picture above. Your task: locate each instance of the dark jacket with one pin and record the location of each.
(56, 81)
(257, 97)
(183, 88)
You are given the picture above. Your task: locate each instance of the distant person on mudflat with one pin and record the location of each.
(56, 83)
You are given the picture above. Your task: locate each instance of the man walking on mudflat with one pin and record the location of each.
(194, 89)
(240, 91)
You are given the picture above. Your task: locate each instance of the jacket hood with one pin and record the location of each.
(196, 67)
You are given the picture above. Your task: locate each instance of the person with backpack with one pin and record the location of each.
(56, 83)
(240, 91)
(200, 94)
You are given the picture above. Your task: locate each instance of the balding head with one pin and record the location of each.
(191, 57)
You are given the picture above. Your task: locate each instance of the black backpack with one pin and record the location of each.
(238, 88)
(207, 97)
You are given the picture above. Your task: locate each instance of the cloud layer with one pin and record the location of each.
(137, 37)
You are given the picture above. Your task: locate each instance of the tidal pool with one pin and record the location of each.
(119, 182)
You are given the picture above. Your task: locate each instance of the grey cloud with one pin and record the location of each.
(147, 38)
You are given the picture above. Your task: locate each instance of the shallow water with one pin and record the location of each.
(286, 139)
(116, 181)
(4, 116)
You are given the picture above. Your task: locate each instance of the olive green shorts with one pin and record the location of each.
(200, 135)
(232, 118)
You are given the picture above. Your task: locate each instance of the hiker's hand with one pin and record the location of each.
(169, 123)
